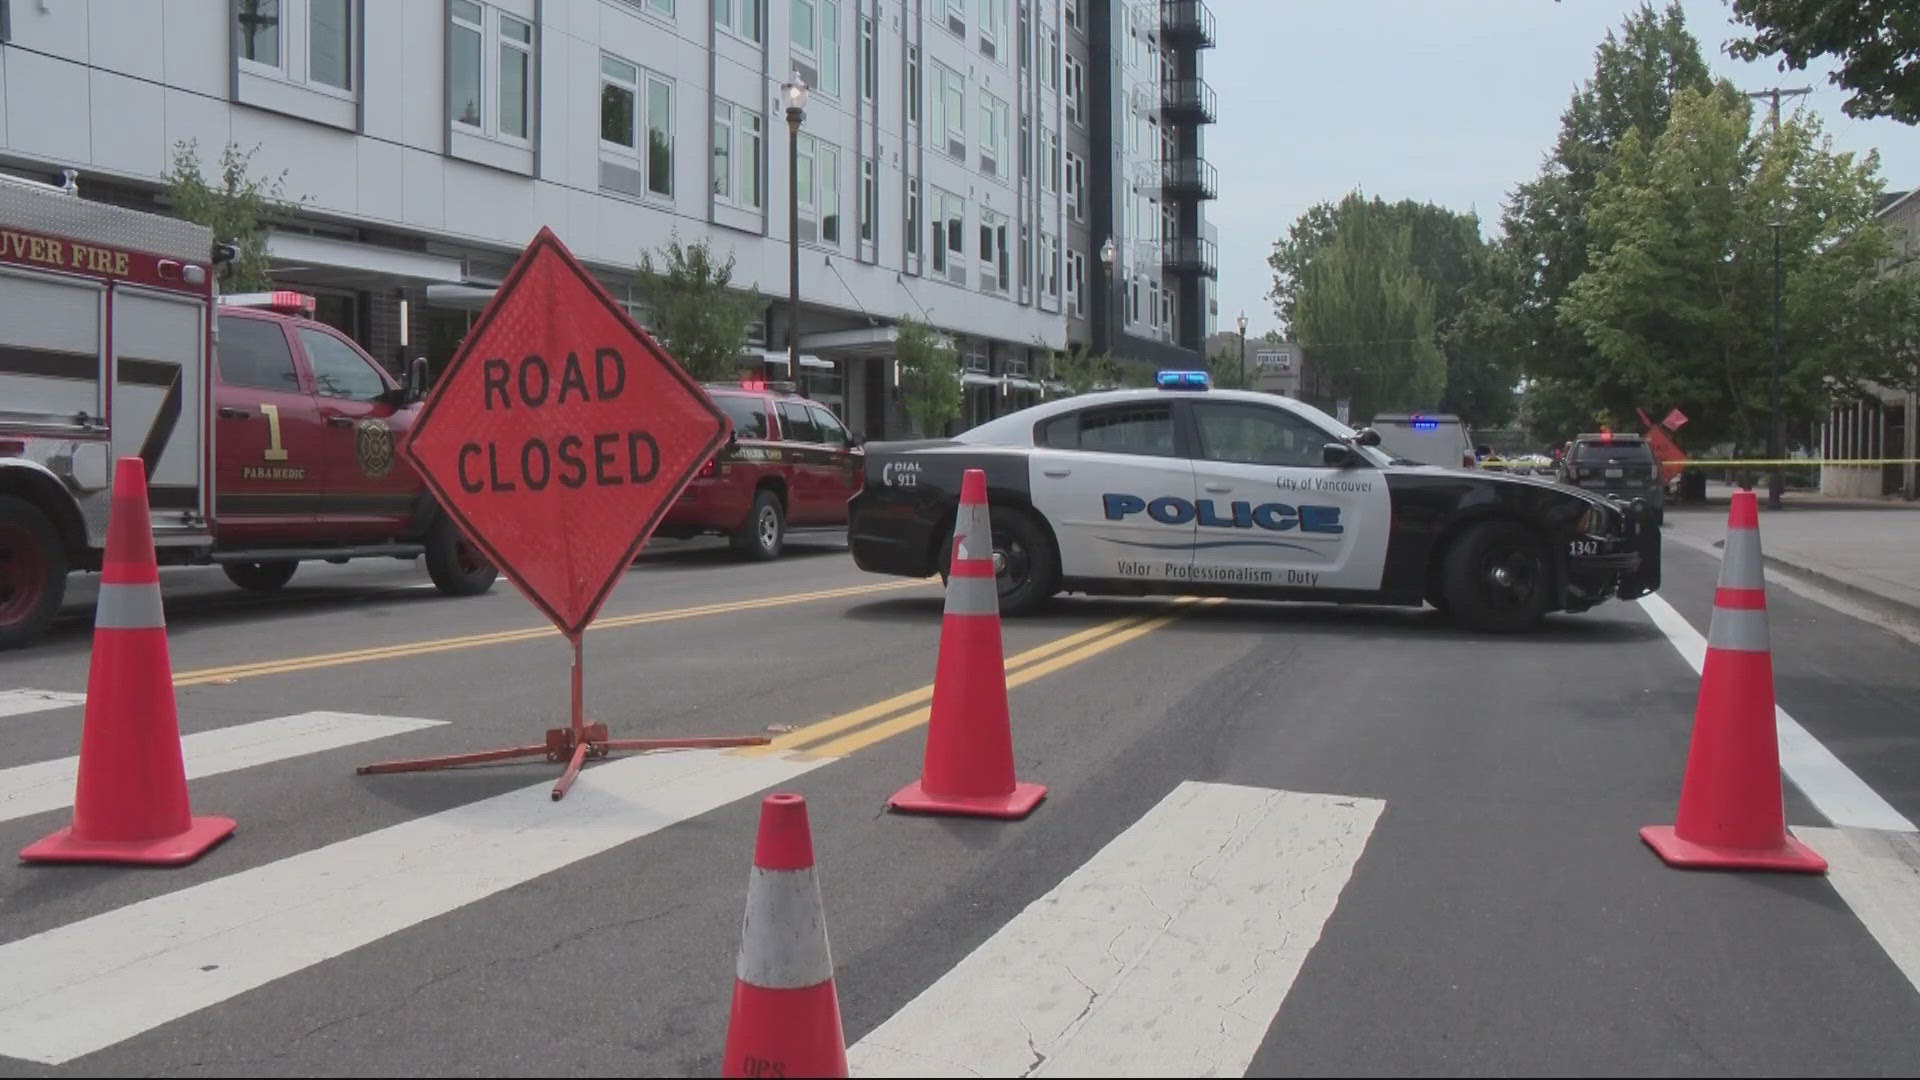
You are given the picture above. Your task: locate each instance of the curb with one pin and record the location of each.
(1886, 605)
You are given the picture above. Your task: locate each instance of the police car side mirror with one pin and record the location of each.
(1366, 437)
(1338, 456)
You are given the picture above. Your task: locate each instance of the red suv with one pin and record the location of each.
(791, 464)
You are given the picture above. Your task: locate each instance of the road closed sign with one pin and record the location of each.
(560, 433)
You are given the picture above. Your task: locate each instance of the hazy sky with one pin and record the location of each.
(1448, 101)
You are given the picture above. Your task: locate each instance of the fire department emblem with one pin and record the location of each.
(373, 443)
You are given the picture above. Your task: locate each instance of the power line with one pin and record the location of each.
(1776, 93)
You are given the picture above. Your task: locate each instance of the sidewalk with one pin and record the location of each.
(1865, 549)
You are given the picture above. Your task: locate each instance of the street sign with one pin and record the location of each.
(560, 434)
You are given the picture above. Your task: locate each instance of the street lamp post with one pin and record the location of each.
(1242, 320)
(1777, 480)
(796, 106)
(1106, 260)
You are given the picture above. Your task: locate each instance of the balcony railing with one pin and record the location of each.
(1188, 99)
(1190, 178)
(1190, 255)
(1186, 22)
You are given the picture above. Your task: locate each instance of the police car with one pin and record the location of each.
(1184, 489)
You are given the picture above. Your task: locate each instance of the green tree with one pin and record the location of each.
(1365, 315)
(1637, 71)
(929, 376)
(1083, 371)
(1876, 41)
(1678, 300)
(1225, 369)
(236, 205)
(693, 309)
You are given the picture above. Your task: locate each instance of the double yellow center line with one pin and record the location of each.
(842, 735)
(233, 672)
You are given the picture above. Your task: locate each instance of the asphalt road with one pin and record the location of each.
(1472, 898)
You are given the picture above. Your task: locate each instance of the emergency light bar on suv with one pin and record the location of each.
(284, 301)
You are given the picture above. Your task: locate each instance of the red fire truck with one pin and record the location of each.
(268, 437)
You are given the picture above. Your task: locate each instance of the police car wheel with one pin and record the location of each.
(1496, 578)
(455, 565)
(1023, 561)
(764, 532)
(264, 576)
(33, 572)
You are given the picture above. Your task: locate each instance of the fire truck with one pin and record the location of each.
(268, 437)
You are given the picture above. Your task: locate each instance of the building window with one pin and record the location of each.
(1076, 282)
(621, 86)
(1026, 262)
(801, 24)
(993, 26)
(490, 71)
(1153, 304)
(1074, 82)
(993, 251)
(913, 216)
(949, 235)
(1053, 59)
(956, 16)
(736, 155)
(953, 109)
(1073, 13)
(1026, 151)
(913, 84)
(743, 18)
(1050, 140)
(869, 198)
(830, 47)
(869, 60)
(819, 183)
(993, 133)
(1050, 265)
(1076, 186)
(663, 8)
(317, 36)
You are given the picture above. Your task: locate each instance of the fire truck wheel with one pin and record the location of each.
(765, 529)
(456, 566)
(33, 572)
(264, 576)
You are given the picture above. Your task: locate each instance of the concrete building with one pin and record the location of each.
(1886, 424)
(1137, 178)
(427, 141)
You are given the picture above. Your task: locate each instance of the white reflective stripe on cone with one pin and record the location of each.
(1742, 630)
(974, 531)
(129, 607)
(968, 595)
(1740, 566)
(783, 939)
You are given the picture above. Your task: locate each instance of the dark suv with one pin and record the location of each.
(1615, 464)
(791, 463)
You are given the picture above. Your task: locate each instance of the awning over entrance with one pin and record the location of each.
(344, 263)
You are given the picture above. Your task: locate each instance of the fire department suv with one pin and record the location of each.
(1184, 489)
(268, 437)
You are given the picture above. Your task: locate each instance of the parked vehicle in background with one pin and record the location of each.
(790, 465)
(267, 437)
(1426, 439)
(1616, 464)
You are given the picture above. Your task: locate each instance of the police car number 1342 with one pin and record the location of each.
(1583, 547)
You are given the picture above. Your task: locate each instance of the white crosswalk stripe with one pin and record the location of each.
(48, 785)
(1167, 954)
(21, 702)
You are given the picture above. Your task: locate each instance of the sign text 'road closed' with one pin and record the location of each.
(560, 433)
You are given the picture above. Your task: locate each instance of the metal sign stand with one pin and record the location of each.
(573, 744)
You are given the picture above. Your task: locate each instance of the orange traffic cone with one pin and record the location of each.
(1731, 816)
(786, 1013)
(130, 805)
(968, 767)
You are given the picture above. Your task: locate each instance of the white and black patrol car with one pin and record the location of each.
(1188, 490)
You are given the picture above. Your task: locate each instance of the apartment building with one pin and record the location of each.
(425, 141)
(1141, 258)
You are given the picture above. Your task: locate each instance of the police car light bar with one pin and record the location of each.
(285, 301)
(1181, 380)
(1424, 423)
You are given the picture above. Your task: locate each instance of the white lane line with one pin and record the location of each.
(48, 785)
(1833, 789)
(1167, 954)
(87, 985)
(1878, 875)
(18, 702)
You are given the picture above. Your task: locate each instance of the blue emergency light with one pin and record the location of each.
(1181, 380)
(1424, 423)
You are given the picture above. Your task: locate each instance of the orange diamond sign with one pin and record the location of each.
(560, 434)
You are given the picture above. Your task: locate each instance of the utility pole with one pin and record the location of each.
(1776, 479)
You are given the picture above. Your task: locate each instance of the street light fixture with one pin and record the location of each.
(796, 92)
(1777, 480)
(1242, 320)
(1106, 259)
